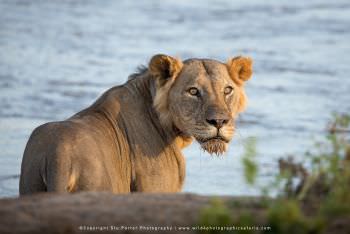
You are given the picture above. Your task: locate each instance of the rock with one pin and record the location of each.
(100, 212)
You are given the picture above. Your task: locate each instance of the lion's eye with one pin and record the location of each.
(193, 91)
(228, 90)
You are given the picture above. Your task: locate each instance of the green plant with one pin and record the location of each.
(285, 216)
(215, 215)
(248, 160)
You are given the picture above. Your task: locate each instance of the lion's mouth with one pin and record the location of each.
(216, 138)
(214, 145)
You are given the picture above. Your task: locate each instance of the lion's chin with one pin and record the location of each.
(214, 146)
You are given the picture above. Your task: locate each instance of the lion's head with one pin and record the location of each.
(201, 97)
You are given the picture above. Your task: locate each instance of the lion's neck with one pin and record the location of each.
(145, 84)
(140, 92)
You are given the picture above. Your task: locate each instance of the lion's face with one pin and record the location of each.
(201, 97)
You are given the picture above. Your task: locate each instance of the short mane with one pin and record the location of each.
(140, 70)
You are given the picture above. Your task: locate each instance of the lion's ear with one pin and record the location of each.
(164, 68)
(240, 69)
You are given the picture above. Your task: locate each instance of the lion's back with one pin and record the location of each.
(54, 152)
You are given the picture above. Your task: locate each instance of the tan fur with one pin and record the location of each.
(183, 141)
(242, 100)
(157, 64)
(130, 139)
(72, 181)
(240, 69)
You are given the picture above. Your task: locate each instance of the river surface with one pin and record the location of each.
(58, 56)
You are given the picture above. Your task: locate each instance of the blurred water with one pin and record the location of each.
(58, 56)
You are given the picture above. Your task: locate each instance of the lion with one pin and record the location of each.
(130, 139)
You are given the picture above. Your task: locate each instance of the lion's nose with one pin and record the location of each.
(218, 123)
